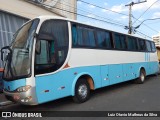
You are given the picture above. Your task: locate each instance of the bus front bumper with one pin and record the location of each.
(26, 98)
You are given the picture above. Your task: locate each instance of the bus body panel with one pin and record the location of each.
(105, 75)
(13, 85)
(62, 83)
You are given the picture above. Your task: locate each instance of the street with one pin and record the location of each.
(126, 96)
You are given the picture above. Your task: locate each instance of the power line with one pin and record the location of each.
(130, 28)
(118, 13)
(68, 4)
(84, 15)
(143, 34)
(86, 11)
(102, 7)
(145, 11)
(147, 26)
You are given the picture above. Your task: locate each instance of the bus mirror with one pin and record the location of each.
(38, 47)
(2, 52)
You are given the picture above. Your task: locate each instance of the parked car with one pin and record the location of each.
(1, 82)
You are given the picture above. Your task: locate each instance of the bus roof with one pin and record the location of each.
(62, 18)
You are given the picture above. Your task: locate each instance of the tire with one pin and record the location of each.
(142, 77)
(82, 91)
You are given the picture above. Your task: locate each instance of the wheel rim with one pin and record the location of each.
(142, 76)
(82, 91)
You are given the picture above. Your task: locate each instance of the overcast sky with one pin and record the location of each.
(152, 28)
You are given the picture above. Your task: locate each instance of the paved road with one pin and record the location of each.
(121, 97)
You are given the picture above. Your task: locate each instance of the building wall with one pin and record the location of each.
(9, 24)
(156, 39)
(30, 9)
(158, 53)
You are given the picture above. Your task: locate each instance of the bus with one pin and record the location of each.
(52, 57)
(1, 82)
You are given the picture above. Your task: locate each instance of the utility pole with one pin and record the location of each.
(130, 29)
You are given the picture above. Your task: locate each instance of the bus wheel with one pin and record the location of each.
(82, 91)
(142, 77)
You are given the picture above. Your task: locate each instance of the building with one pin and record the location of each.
(156, 39)
(14, 13)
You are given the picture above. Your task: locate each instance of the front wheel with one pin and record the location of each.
(82, 91)
(142, 77)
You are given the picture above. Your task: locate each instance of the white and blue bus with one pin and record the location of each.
(52, 57)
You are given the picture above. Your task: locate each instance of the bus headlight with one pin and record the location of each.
(23, 88)
(27, 99)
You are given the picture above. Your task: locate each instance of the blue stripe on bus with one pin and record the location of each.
(13, 85)
(62, 84)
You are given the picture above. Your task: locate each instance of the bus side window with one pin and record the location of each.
(142, 45)
(132, 44)
(120, 41)
(117, 41)
(74, 35)
(153, 47)
(108, 39)
(101, 39)
(42, 58)
(148, 46)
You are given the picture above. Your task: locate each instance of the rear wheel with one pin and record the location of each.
(142, 77)
(82, 91)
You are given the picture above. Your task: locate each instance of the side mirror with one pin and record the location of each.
(2, 52)
(38, 47)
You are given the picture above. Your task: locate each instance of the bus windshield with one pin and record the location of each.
(18, 60)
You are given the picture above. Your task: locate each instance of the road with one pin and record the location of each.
(126, 96)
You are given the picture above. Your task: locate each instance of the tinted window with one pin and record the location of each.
(132, 44)
(103, 39)
(148, 44)
(54, 43)
(142, 45)
(83, 36)
(153, 47)
(120, 41)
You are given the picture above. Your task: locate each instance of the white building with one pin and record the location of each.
(156, 39)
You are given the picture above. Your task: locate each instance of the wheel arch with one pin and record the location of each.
(89, 79)
(142, 68)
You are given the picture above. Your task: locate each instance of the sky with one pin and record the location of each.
(149, 28)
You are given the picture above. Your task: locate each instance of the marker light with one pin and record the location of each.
(23, 89)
